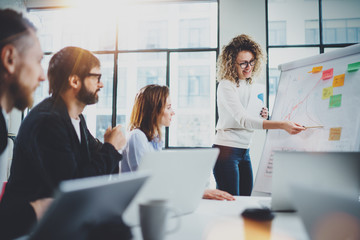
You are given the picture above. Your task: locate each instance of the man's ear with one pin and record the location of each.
(74, 82)
(9, 56)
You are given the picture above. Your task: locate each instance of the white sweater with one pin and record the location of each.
(235, 126)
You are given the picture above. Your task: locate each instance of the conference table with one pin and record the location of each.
(218, 220)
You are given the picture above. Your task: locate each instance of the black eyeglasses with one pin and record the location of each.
(98, 75)
(246, 64)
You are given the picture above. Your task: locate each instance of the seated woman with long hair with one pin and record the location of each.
(151, 111)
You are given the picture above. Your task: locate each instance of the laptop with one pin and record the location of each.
(322, 170)
(81, 204)
(327, 215)
(179, 176)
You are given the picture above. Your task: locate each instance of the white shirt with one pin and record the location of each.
(6, 117)
(76, 124)
(4, 156)
(235, 126)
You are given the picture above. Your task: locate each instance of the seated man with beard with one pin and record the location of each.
(54, 143)
(20, 66)
(20, 74)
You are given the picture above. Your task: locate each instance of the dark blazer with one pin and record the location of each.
(46, 151)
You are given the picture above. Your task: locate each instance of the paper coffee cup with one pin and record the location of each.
(257, 224)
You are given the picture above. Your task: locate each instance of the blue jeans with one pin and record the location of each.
(233, 171)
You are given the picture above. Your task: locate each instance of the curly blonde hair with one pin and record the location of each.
(226, 63)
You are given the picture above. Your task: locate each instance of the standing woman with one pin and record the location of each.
(238, 63)
(151, 111)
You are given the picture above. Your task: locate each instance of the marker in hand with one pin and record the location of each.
(314, 127)
(264, 113)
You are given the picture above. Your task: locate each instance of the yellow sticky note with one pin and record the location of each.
(316, 69)
(338, 80)
(327, 92)
(335, 134)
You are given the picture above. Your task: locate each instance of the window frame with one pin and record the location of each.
(116, 52)
(321, 45)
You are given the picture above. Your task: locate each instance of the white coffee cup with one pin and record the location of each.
(154, 216)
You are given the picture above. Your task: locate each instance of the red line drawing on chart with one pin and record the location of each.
(288, 117)
(316, 122)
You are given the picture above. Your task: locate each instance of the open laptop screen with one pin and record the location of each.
(327, 215)
(82, 204)
(338, 171)
(179, 176)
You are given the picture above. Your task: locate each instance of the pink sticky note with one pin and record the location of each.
(327, 74)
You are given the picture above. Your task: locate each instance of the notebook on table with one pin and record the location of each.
(82, 203)
(321, 170)
(179, 176)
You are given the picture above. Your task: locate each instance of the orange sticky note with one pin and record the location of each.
(327, 74)
(316, 69)
(327, 92)
(335, 134)
(339, 80)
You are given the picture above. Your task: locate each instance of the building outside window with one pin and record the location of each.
(277, 33)
(342, 30)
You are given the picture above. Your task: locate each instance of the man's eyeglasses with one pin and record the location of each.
(246, 64)
(98, 75)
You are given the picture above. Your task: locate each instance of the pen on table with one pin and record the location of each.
(313, 127)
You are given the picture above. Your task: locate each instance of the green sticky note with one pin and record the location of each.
(352, 67)
(335, 101)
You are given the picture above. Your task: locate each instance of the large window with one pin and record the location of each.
(300, 28)
(173, 44)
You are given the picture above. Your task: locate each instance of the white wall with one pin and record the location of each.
(241, 16)
(237, 17)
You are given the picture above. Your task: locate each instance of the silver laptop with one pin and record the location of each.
(327, 215)
(322, 170)
(82, 204)
(180, 176)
